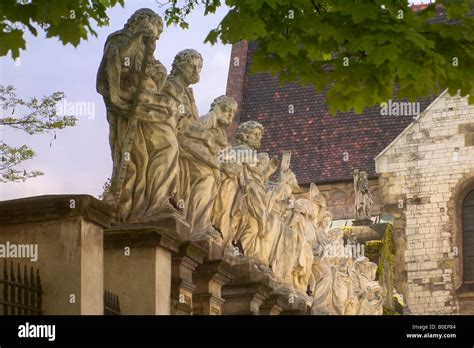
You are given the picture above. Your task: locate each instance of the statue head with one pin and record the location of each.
(187, 64)
(325, 219)
(364, 177)
(224, 107)
(145, 18)
(318, 201)
(250, 133)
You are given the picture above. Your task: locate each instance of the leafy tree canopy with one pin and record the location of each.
(40, 117)
(68, 20)
(357, 49)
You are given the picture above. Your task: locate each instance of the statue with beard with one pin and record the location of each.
(201, 143)
(248, 213)
(170, 106)
(125, 89)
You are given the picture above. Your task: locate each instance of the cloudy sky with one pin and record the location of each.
(79, 159)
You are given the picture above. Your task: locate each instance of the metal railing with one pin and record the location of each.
(20, 294)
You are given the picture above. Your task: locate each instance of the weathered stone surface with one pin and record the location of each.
(184, 263)
(53, 207)
(209, 278)
(425, 195)
(68, 233)
(363, 197)
(149, 249)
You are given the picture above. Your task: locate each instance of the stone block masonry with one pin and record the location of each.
(421, 175)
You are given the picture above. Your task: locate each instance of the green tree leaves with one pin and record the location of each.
(357, 49)
(350, 47)
(68, 20)
(40, 118)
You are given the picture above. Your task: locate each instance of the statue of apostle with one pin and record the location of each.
(363, 197)
(282, 204)
(174, 102)
(201, 141)
(118, 79)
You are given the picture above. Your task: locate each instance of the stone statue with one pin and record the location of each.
(322, 221)
(126, 87)
(224, 207)
(281, 209)
(252, 230)
(370, 293)
(344, 286)
(249, 212)
(344, 300)
(302, 225)
(200, 144)
(363, 197)
(230, 207)
(174, 102)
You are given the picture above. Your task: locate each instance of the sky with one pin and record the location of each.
(79, 161)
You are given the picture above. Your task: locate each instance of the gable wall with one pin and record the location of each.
(419, 175)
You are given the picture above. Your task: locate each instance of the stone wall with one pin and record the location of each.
(423, 176)
(340, 198)
(68, 233)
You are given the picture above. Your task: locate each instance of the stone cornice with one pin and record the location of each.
(55, 207)
(136, 235)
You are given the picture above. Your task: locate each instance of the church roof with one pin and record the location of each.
(324, 148)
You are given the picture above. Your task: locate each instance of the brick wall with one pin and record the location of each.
(236, 79)
(420, 176)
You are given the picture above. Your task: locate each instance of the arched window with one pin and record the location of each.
(468, 236)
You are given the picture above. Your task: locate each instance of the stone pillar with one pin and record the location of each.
(244, 299)
(67, 231)
(184, 263)
(298, 307)
(209, 279)
(247, 291)
(274, 304)
(138, 267)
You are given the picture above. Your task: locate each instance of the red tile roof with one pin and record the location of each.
(418, 7)
(318, 141)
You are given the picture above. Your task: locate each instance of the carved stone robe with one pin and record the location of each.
(251, 222)
(283, 240)
(117, 80)
(200, 143)
(224, 208)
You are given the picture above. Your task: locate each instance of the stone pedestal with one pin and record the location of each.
(247, 291)
(184, 263)
(68, 233)
(244, 299)
(296, 307)
(214, 249)
(209, 279)
(365, 233)
(274, 304)
(137, 267)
